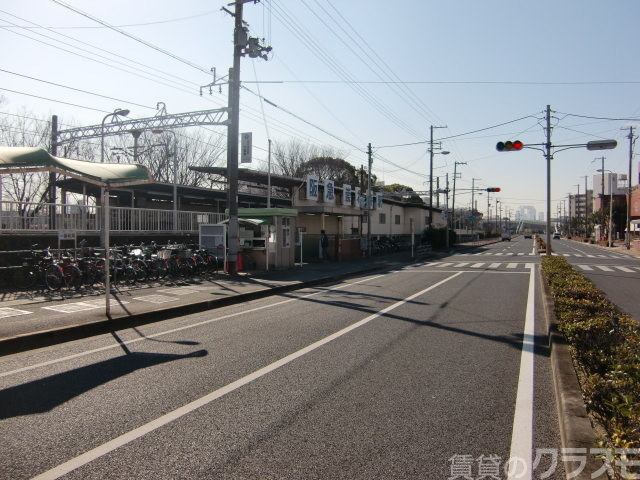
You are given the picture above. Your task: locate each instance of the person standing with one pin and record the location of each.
(324, 245)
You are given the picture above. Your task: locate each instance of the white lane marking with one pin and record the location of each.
(446, 264)
(604, 268)
(522, 435)
(495, 265)
(529, 265)
(477, 265)
(512, 265)
(625, 269)
(178, 329)
(585, 267)
(136, 433)
(72, 307)
(12, 312)
(462, 264)
(156, 298)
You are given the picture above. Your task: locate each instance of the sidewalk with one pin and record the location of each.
(618, 247)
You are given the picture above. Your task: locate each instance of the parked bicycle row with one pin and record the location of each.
(129, 264)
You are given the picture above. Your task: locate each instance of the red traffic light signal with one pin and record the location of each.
(509, 145)
(493, 189)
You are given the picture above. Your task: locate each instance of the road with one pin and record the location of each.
(616, 274)
(415, 373)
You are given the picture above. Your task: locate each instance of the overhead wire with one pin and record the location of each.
(381, 65)
(132, 37)
(75, 89)
(82, 42)
(295, 26)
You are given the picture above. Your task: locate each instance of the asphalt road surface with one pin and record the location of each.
(426, 372)
(616, 274)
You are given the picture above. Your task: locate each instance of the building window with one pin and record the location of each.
(397, 219)
(382, 218)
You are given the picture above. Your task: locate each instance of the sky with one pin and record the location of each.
(348, 73)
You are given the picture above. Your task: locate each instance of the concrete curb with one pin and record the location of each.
(45, 338)
(575, 426)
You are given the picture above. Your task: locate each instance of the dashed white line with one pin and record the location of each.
(604, 268)
(159, 422)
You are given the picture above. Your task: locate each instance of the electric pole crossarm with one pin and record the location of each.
(178, 120)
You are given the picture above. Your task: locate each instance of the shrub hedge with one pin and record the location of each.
(605, 344)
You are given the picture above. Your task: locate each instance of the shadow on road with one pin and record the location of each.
(44, 394)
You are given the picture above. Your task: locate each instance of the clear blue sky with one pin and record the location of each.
(356, 72)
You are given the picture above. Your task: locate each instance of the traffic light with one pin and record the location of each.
(509, 146)
(493, 189)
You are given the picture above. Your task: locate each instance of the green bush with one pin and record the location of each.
(605, 344)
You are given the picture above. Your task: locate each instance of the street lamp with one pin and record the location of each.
(602, 170)
(118, 112)
(175, 175)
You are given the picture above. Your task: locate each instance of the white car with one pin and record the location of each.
(556, 236)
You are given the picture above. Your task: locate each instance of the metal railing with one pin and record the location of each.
(18, 217)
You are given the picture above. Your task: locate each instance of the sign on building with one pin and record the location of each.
(246, 140)
(346, 194)
(379, 201)
(329, 191)
(312, 187)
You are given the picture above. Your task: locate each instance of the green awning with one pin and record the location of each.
(30, 159)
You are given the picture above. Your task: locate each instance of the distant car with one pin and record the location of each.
(556, 236)
(528, 235)
(506, 237)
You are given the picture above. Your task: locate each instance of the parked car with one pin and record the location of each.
(506, 236)
(528, 234)
(556, 235)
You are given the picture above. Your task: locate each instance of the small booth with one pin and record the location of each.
(266, 238)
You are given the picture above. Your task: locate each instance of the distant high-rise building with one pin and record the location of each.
(541, 216)
(526, 212)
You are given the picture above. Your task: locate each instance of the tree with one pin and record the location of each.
(289, 157)
(403, 193)
(329, 168)
(24, 129)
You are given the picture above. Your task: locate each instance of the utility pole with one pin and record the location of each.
(627, 239)
(453, 200)
(473, 192)
(549, 156)
(52, 175)
(585, 205)
(232, 140)
(601, 196)
(369, 199)
(446, 197)
(431, 154)
(241, 46)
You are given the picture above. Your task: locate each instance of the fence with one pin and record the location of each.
(16, 217)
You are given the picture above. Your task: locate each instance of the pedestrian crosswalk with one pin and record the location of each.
(609, 268)
(480, 265)
(531, 254)
(515, 266)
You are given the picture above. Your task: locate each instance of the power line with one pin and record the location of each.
(75, 89)
(459, 134)
(133, 37)
(158, 22)
(53, 100)
(295, 26)
(602, 118)
(158, 72)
